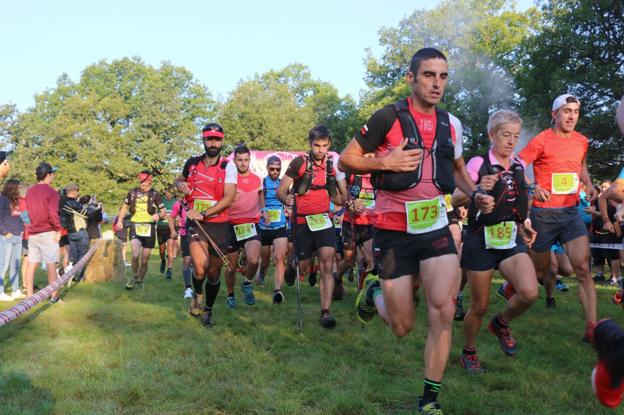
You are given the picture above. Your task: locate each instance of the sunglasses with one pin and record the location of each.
(275, 168)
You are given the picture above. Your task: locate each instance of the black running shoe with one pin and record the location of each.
(327, 321)
(168, 275)
(206, 318)
(163, 264)
(291, 272)
(278, 296)
(551, 303)
(312, 279)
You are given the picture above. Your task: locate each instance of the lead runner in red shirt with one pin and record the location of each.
(558, 155)
(411, 238)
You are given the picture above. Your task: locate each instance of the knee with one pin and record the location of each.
(402, 328)
(252, 262)
(478, 308)
(527, 296)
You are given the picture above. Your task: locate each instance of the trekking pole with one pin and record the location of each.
(214, 245)
(294, 229)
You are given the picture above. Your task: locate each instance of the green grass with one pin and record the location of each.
(110, 351)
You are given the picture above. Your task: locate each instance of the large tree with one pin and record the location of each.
(578, 49)
(119, 118)
(275, 110)
(468, 32)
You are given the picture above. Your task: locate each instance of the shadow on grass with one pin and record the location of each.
(20, 397)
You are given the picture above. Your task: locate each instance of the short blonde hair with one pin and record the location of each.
(501, 117)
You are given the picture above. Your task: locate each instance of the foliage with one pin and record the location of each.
(118, 119)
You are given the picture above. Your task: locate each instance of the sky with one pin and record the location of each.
(219, 42)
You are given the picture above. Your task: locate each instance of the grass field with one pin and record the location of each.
(110, 351)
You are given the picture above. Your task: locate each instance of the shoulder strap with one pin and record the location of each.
(408, 126)
(224, 163)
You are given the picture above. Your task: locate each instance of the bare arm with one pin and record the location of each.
(282, 191)
(181, 184)
(341, 195)
(591, 193)
(121, 215)
(398, 160)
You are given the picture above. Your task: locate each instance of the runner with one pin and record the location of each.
(165, 242)
(558, 155)
(145, 205)
(209, 183)
(410, 232)
(177, 226)
(273, 229)
(244, 215)
(497, 240)
(316, 179)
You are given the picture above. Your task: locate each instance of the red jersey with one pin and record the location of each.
(246, 205)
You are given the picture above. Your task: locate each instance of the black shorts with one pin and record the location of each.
(122, 234)
(552, 225)
(64, 241)
(162, 233)
(146, 241)
(307, 242)
(219, 232)
(600, 255)
(363, 233)
(399, 253)
(267, 236)
(237, 245)
(475, 257)
(184, 245)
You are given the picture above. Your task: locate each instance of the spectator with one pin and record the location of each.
(5, 168)
(93, 221)
(42, 202)
(11, 228)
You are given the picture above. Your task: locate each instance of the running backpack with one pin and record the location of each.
(306, 182)
(134, 195)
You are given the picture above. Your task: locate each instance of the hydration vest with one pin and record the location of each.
(510, 193)
(134, 195)
(442, 154)
(207, 183)
(310, 181)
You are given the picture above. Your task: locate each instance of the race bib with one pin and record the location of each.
(275, 215)
(564, 183)
(501, 236)
(318, 222)
(447, 200)
(201, 205)
(244, 231)
(143, 229)
(368, 199)
(424, 216)
(337, 221)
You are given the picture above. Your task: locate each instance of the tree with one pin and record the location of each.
(278, 108)
(578, 49)
(468, 32)
(118, 119)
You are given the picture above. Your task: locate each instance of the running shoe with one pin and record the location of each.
(364, 303)
(206, 318)
(599, 279)
(432, 408)
(505, 291)
(278, 296)
(130, 283)
(618, 297)
(230, 300)
(197, 308)
(588, 337)
(507, 342)
(327, 321)
(163, 264)
(5, 297)
(56, 300)
(551, 303)
(168, 275)
(562, 286)
(250, 298)
(139, 284)
(459, 310)
(18, 295)
(471, 363)
(188, 293)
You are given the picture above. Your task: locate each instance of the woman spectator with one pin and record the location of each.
(11, 228)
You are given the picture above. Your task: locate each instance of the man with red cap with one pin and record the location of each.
(146, 207)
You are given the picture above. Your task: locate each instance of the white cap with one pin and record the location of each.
(561, 100)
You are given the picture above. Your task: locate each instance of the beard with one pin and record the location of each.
(212, 151)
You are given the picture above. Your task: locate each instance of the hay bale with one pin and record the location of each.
(107, 263)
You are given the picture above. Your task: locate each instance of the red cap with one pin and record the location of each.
(212, 133)
(144, 177)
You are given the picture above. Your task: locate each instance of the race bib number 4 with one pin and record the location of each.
(318, 222)
(424, 216)
(564, 183)
(501, 236)
(143, 229)
(275, 215)
(201, 205)
(244, 231)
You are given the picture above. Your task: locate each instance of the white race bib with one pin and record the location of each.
(318, 222)
(422, 216)
(245, 231)
(143, 230)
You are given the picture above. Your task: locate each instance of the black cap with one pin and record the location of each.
(43, 170)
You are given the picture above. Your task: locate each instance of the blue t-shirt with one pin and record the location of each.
(584, 204)
(621, 175)
(273, 205)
